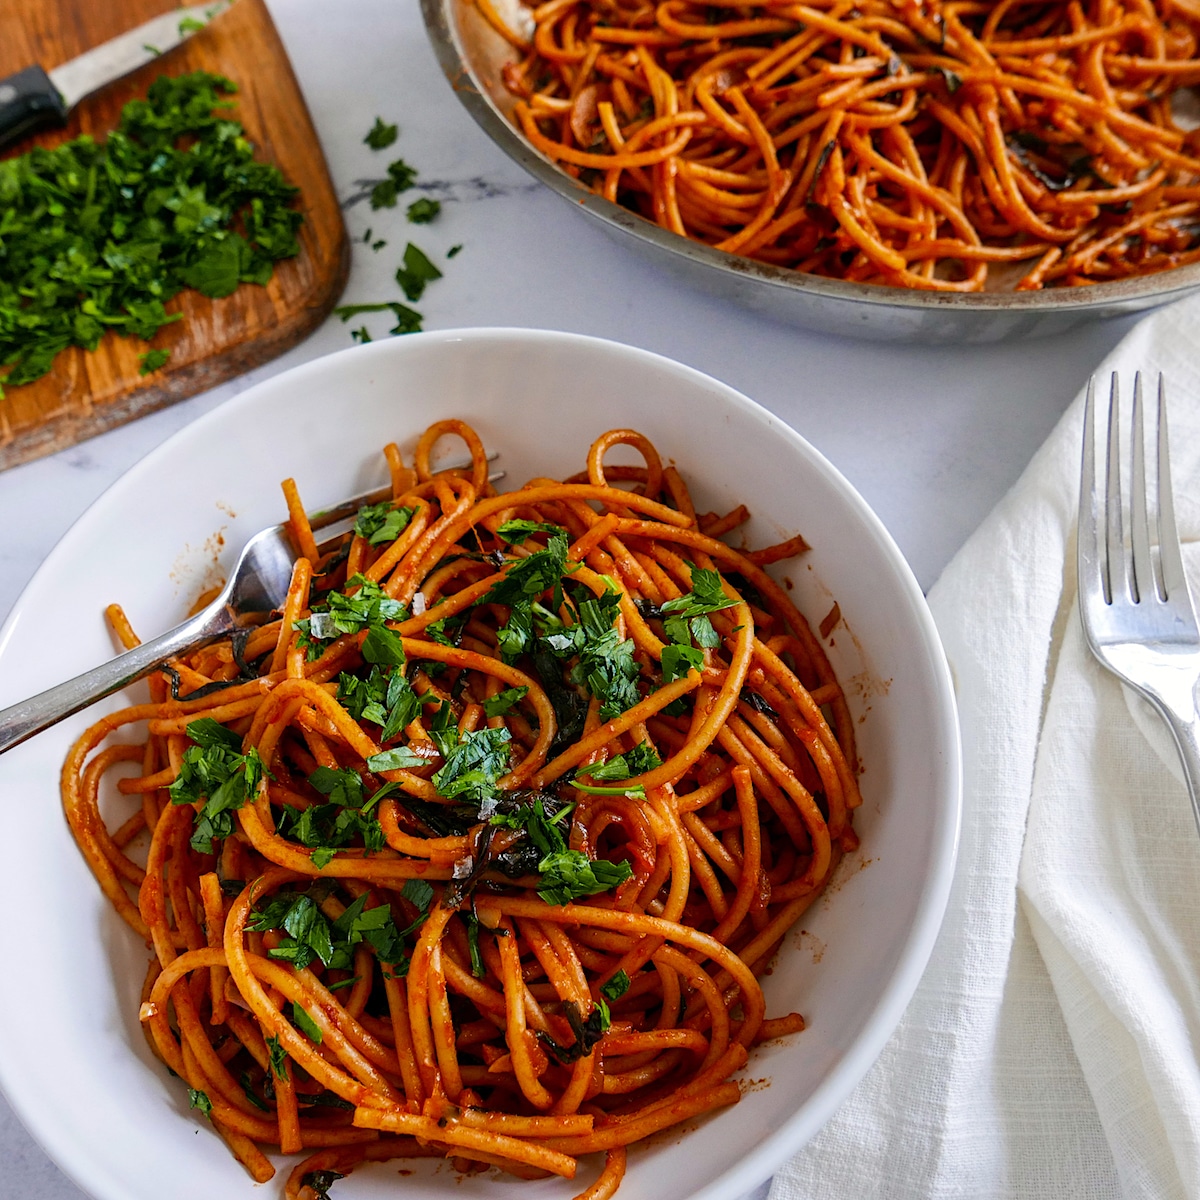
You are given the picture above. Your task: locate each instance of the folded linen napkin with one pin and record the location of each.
(1052, 1048)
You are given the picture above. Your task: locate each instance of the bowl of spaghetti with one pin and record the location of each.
(591, 824)
(891, 169)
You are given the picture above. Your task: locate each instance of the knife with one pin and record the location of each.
(33, 98)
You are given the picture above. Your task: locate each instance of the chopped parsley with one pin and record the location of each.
(424, 210)
(566, 875)
(215, 771)
(616, 987)
(383, 697)
(326, 828)
(381, 135)
(502, 702)
(277, 1056)
(152, 360)
(400, 177)
(473, 766)
(310, 934)
(416, 272)
(368, 608)
(200, 1100)
(99, 236)
(306, 1024)
(380, 523)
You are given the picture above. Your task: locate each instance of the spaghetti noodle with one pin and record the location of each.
(946, 145)
(477, 848)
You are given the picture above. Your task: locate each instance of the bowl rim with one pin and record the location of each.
(1134, 292)
(912, 953)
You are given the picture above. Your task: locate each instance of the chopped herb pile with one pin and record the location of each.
(100, 236)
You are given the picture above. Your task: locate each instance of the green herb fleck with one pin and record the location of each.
(416, 273)
(152, 360)
(306, 1024)
(381, 135)
(400, 177)
(616, 987)
(424, 210)
(278, 1057)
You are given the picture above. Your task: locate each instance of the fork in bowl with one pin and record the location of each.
(1137, 612)
(257, 587)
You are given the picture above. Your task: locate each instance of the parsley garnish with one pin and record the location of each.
(214, 770)
(306, 1024)
(616, 987)
(473, 766)
(380, 523)
(477, 967)
(501, 702)
(325, 828)
(99, 236)
(278, 1057)
(566, 874)
(200, 1100)
(637, 761)
(311, 935)
(416, 272)
(340, 614)
(384, 697)
(381, 135)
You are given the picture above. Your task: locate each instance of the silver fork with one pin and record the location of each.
(258, 586)
(1137, 613)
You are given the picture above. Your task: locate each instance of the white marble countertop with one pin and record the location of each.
(931, 437)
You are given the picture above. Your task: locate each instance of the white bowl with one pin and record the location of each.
(73, 1060)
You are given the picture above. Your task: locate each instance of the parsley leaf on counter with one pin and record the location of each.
(408, 320)
(381, 135)
(99, 236)
(400, 177)
(416, 273)
(424, 210)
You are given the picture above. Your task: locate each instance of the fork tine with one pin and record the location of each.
(1089, 564)
(1118, 569)
(1170, 560)
(1139, 525)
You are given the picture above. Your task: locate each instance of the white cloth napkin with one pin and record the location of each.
(1052, 1048)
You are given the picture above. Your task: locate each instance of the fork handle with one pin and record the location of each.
(39, 712)
(1186, 732)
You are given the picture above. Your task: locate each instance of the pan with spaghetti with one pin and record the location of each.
(938, 171)
(530, 898)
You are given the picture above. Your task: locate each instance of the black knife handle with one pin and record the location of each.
(28, 100)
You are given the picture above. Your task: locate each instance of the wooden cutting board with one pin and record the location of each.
(89, 392)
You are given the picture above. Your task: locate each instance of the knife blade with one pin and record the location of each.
(33, 97)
